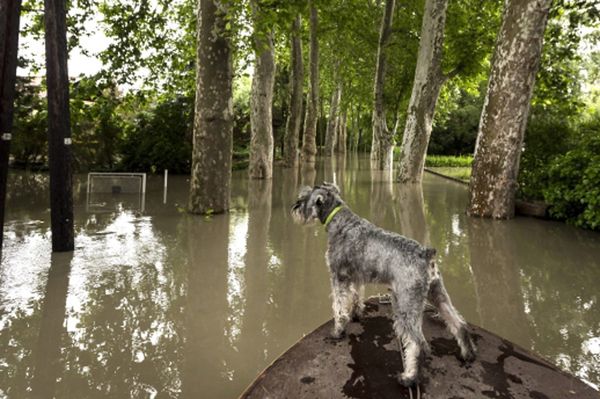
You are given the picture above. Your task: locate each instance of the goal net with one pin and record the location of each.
(107, 191)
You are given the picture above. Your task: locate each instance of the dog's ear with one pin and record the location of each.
(332, 186)
(319, 200)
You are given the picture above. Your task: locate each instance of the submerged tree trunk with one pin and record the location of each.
(10, 12)
(425, 92)
(294, 122)
(506, 107)
(59, 126)
(382, 145)
(309, 144)
(333, 122)
(261, 103)
(213, 127)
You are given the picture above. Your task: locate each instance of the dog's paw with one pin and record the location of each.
(408, 381)
(337, 334)
(469, 355)
(358, 314)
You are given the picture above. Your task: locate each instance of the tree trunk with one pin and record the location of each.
(425, 92)
(59, 127)
(10, 12)
(261, 102)
(333, 121)
(506, 107)
(294, 122)
(309, 144)
(382, 144)
(213, 127)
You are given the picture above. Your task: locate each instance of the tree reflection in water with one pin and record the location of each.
(47, 353)
(206, 350)
(252, 339)
(495, 267)
(165, 304)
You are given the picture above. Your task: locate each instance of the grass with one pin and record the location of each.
(458, 167)
(462, 161)
(458, 172)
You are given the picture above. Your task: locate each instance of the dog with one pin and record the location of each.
(359, 252)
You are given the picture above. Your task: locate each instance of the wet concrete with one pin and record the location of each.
(364, 365)
(160, 304)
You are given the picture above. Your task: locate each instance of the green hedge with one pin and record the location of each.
(573, 185)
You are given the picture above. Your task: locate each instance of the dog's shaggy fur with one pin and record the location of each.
(359, 252)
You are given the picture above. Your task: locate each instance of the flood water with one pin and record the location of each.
(156, 303)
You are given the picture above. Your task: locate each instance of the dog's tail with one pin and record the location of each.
(438, 296)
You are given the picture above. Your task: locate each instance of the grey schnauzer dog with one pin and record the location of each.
(359, 252)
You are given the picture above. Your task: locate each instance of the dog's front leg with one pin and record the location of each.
(342, 305)
(358, 300)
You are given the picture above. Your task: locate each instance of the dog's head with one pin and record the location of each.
(316, 203)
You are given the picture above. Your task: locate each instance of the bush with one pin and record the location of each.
(455, 132)
(547, 137)
(160, 138)
(573, 184)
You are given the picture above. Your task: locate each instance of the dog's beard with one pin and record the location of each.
(299, 216)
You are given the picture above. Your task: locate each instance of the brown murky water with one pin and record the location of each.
(159, 304)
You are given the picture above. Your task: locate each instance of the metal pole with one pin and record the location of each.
(59, 130)
(10, 11)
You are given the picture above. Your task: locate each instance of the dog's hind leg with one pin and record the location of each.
(408, 322)
(454, 321)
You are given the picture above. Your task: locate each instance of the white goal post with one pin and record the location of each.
(109, 191)
(116, 183)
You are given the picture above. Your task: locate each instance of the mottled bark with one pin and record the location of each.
(294, 121)
(261, 102)
(211, 154)
(425, 92)
(10, 11)
(382, 144)
(506, 106)
(309, 143)
(333, 121)
(59, 127)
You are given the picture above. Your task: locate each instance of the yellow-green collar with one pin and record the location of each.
(332, 214)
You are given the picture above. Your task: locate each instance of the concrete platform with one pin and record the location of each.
(364, 365)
